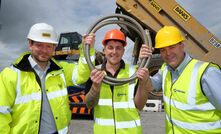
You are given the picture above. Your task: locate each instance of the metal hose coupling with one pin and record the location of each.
(120, 20)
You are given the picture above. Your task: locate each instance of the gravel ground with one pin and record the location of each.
(152, 123)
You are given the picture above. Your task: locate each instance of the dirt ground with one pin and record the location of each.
(152, 123)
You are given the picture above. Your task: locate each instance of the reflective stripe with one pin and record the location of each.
(131, 95)
(84, 60)
(164, 77)
(131, 89)
(187, 107)
(62, 76)
(131, 70)
(104, 122)
(191, 98)
(74, 75)
(128, 124)
(119, 125)
(27, 98)
(63, 131)
(5, 109)
(196, 126)
(108, 102)
(105, 102)
(124, 105)
(18, 88)
(57, 93)
(37, 96)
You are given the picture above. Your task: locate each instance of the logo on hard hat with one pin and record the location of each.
(46, 35)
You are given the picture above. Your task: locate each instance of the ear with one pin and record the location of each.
(104, 49)
(54, 47)
(182, 45)
(30, 44)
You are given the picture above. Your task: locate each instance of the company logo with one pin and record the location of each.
(120, 94)
(176, 90)
(60, 86)
(46, 34)
(214, 42)
(182, 13)
(155, 6)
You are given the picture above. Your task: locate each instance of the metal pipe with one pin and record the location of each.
(133, 24)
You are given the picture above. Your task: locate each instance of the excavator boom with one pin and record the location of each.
(153, 15)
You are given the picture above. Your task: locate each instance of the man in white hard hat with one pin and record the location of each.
(34, 97)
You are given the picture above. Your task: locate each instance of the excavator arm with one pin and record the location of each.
(153, 15)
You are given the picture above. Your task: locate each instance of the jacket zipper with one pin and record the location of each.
(39, 82)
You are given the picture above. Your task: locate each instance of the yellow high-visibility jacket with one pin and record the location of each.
(21, 95)
(188, 110)
(116, 112)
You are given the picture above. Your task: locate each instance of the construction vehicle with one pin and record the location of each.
(67, 50)
(67, 47)
(153, 15)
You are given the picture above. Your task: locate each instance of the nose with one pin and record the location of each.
(168, 52)
(44, 49)
(114, 50)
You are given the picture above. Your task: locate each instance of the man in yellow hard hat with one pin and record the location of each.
(191, 88)
(115, 107)
(33, 91)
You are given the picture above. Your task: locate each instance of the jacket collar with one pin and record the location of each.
(23, 64)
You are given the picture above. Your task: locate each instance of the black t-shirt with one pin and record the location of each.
(103, 67)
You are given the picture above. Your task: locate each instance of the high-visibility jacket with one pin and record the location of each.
(21, 95)
(188, 110)
(115, 112)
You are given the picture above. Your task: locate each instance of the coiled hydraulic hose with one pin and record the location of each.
(131, 23)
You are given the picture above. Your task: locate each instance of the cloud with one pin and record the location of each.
(16, 17)
(8, 55)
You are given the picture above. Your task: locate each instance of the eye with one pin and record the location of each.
(49, 47)
(162, 50)
(119, 48)
(38, 45)
(110, 47)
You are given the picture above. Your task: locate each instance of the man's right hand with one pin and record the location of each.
(97, 76)
(91, 99)
(89, 39)
(145, 52)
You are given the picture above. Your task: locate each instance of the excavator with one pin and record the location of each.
(153, 15)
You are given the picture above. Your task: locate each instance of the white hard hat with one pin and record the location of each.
(42, 32)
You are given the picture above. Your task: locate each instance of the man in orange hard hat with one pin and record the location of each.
(191, 88)
(115, 107)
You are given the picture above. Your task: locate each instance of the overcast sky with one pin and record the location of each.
(17, 16)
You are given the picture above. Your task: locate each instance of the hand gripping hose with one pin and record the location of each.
(131, 23)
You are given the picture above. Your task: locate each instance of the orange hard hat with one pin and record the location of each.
(114, 34)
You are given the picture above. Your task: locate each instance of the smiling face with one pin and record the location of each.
(41, 52)
(173, 55)
(114, 51)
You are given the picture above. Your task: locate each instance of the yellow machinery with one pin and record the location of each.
(153, 15)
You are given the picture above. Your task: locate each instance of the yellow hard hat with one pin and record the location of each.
(168, 36)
